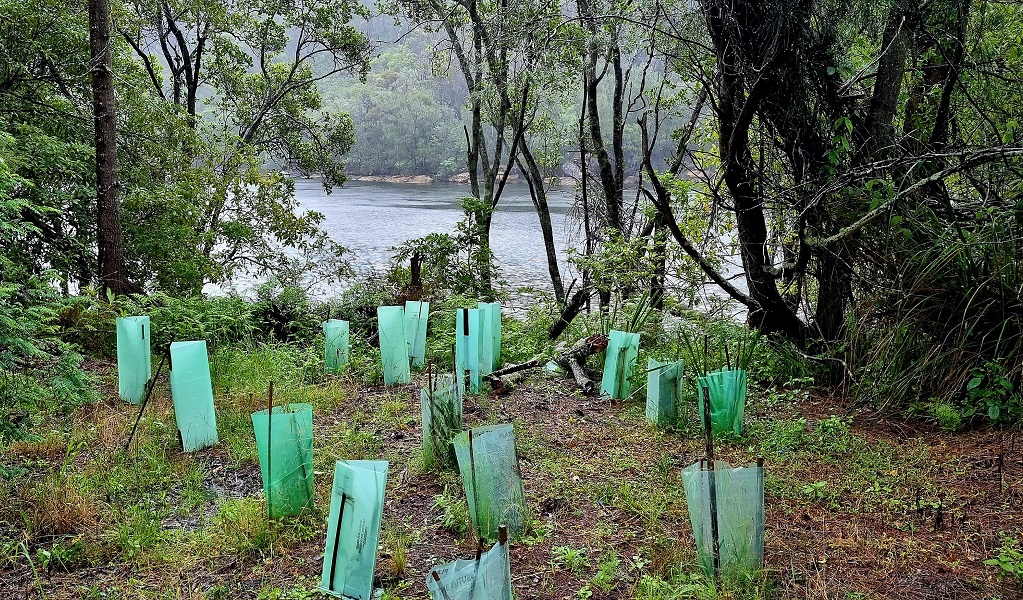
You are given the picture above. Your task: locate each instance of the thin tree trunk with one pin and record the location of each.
(108, 221)
(538, 192)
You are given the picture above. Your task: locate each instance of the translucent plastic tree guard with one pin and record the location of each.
(285, 446)
(353, 528)
(490, 322)
(489, 465)
(619, 363)
(740, 516)
(335, 345)
(441, 409)
(393, 348)
(468, 348)
(134, 358)
(727, 389)
(192, 394)
(662, 390)
(488, 578)
(416, 316)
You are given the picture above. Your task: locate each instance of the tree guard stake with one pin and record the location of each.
(709, 437)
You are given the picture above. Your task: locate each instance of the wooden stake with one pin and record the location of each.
(708, 432)
(337, 540)
(269, 444)
(145, 400)
(443, 590)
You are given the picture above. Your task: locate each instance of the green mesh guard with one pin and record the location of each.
(662, 388)
(416, 315)
(490, 340)
(353, 528)
(441, 408)
(335, 345)
(488, 578)
(192, 394)
(619, 363)
(468, 348)
(393, 350)
(740, 510)
(489, 466)
(727, 399)
(133, 358)
(285, 446)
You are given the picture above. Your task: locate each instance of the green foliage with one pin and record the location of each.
(404, 123)
(948, 416)
(990, 392)
(1009, 560)
(283, 312)
(454, 512)
(575, 560)
(458, 263)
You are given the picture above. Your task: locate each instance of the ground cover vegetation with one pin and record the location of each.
(859, 162)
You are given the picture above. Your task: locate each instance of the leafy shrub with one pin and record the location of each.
(283, 312)
(37, 368)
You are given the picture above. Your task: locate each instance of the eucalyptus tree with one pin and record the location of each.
(499, 49)
(245, 74)
(109, 239)
(869, 155)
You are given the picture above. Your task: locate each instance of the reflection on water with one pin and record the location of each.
(371, 219)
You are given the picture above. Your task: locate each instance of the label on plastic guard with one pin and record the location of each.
(134, 362)
(353, 528)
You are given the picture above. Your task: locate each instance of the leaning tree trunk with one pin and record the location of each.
(538, 193)
(108, 221)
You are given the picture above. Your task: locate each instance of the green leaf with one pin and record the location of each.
(993, 411)
(974, 383)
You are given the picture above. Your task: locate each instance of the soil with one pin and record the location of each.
(573, 451)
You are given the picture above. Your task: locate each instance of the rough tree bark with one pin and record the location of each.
(112, 276)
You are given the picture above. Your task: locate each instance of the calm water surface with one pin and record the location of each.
(371, 219)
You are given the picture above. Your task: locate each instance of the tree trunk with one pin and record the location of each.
(108, 221)
(538, 192)
(659, 256)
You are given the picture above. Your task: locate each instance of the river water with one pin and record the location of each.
(371, 219)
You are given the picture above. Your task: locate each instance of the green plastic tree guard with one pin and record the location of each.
(488, 578)
(134, 366)
(727, 399)
(619, 362)
(284, 443)
(353, 528)
(441, 408)
(192, 393)
(393, 350)
(468, 348)
(489, 466)
(662, 385)
(335, 345)
(490, 321)
(416, 315)
(740, 512)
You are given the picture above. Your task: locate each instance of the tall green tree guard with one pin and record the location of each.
(108, 220)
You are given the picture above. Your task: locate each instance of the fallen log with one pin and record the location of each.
(571, 359)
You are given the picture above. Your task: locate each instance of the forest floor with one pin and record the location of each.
(856, 507)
